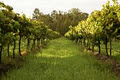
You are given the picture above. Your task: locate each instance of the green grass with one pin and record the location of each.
(23, 47)
(5, 58)
(61, 60)
(115, 50)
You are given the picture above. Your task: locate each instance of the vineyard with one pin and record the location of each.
(101, 27)
(69, 45)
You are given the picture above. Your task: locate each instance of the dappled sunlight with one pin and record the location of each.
(59, 55)
(63, 60)
(59, 51)
(114, 53)
(62, 53)
(61, 45)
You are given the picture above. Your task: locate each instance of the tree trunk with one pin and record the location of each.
(84, 42)
(106, 47)
(0, 53)
(93, 45)
(77, 40)
(28, 43)
(99, 48)
(8, 48)
(80, 41)
(33, 45)
(14, 48)
(38, 43)
(110, 47)
(20, 46)
(89, 44)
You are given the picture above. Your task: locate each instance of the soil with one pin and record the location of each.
(5, 67)
(105, 59)
(10, 64)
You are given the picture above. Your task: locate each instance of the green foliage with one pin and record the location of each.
(103, 25)
(60, 21)
(14, 27)
(53, 34)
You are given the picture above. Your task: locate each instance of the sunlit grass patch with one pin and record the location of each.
(62, 60)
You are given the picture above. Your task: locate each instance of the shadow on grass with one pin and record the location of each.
(61, 60)
(75, 67)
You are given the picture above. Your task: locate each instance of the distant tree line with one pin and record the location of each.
(60, 21)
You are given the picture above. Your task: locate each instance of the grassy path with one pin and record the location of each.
(61, 60)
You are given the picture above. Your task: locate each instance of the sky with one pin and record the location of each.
(47, 6)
